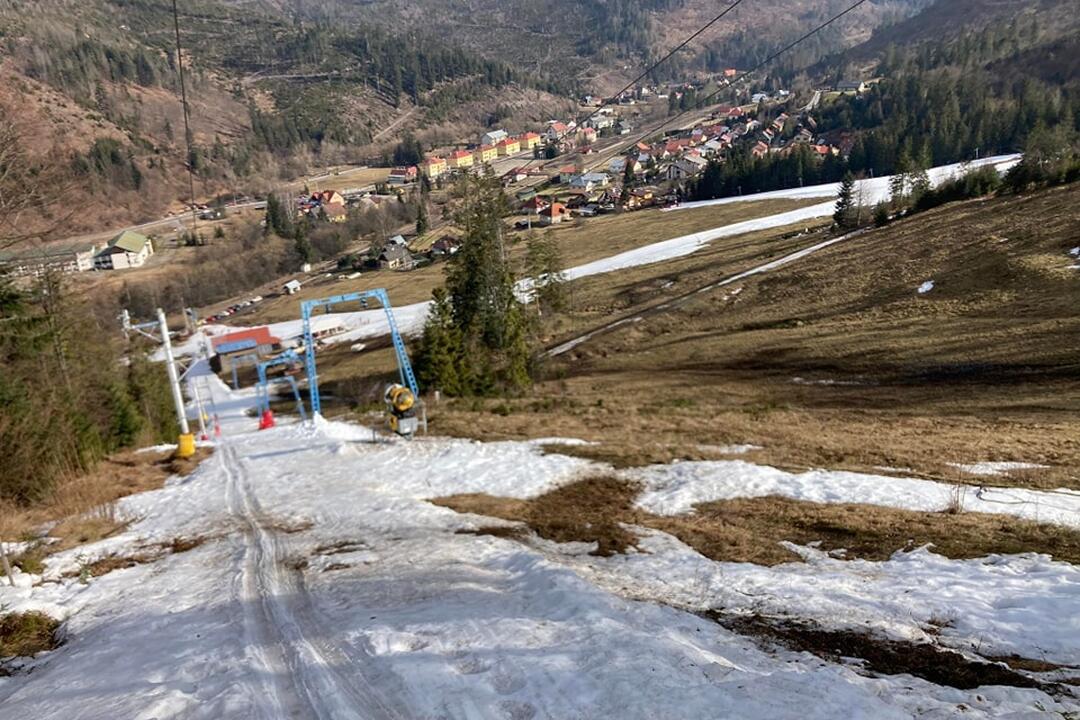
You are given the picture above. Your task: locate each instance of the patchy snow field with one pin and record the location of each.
(329, 588)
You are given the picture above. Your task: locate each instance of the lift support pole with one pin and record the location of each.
(186, 445)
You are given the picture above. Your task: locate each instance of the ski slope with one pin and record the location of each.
(328, 587)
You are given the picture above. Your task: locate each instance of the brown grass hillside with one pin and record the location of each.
(836, 360)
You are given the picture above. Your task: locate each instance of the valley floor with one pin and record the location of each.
(328, 585)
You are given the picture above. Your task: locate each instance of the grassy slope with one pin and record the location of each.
(837, 360)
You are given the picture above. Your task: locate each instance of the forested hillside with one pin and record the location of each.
(990, 90)
(270, 98)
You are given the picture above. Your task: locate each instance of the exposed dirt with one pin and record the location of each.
(881, 655)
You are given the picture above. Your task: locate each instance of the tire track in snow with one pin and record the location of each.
(305, 675)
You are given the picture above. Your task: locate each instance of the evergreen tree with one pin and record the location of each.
(421, 218)
(439, 359)
(476, 342)
(543, 264)
(301, 244)
(845, 202)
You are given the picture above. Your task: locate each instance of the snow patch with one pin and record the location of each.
(926, 287)
(675, 489)
(996, 468)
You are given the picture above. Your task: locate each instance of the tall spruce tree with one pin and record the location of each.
(479, 306)
(844, 215)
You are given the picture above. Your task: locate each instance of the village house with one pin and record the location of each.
(514, 175)
(228, 349)
(686, 167)
(335, 212)
(445, 246)
(556, 130)
(851, 86)
(588, 181)
(554, 214)
(485, 154)
(65, 258)
(126, 250)
(529, 140)
(434, 167)
(493, 137)
(508, 146)
(760, 150)
(602, 122)
(588, 135)
(292, 287)
(460, 159)
(534, 205)
(403, 175)
(395, 257)
(640, 198)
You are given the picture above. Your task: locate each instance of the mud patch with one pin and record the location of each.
(880, 655)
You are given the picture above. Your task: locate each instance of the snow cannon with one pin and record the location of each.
(401, 411)
(266, 420)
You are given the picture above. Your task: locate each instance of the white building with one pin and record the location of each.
(66, 257)
(493, 137)
(127, 250)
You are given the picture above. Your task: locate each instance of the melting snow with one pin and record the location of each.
(996, 468)
(926, 287)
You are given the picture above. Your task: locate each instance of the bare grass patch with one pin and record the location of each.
(754, 529)
(27, 634)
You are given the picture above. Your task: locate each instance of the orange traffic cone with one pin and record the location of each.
(267, 420)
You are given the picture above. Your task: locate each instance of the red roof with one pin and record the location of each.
(458, 154)
(261, 336)
(434, 160)
(530, 136)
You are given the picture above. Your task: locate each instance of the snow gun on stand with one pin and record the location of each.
(401, 410)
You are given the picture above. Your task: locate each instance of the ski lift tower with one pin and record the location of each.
(185, 446)
(307, 307)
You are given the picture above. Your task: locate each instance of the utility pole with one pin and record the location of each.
(186, 445)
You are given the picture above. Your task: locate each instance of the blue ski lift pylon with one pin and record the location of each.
(262, 390)
(405, 370)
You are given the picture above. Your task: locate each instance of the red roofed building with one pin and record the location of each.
(529, 140)
(255, 341)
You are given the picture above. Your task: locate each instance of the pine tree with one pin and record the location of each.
(845, 202)
(421, 217)
(543, 263)
(301, 244)
(439, 359)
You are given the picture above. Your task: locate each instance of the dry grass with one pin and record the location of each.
(27, 634)
(83, 509)
(150, 554)
(751, 529)
(595, 510)
(834, 361)
(588, 511)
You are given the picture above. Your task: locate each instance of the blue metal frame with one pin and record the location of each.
(250, 358)
(405, 370)
(262, 390)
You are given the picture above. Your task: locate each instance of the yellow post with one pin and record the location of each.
(186, 447)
